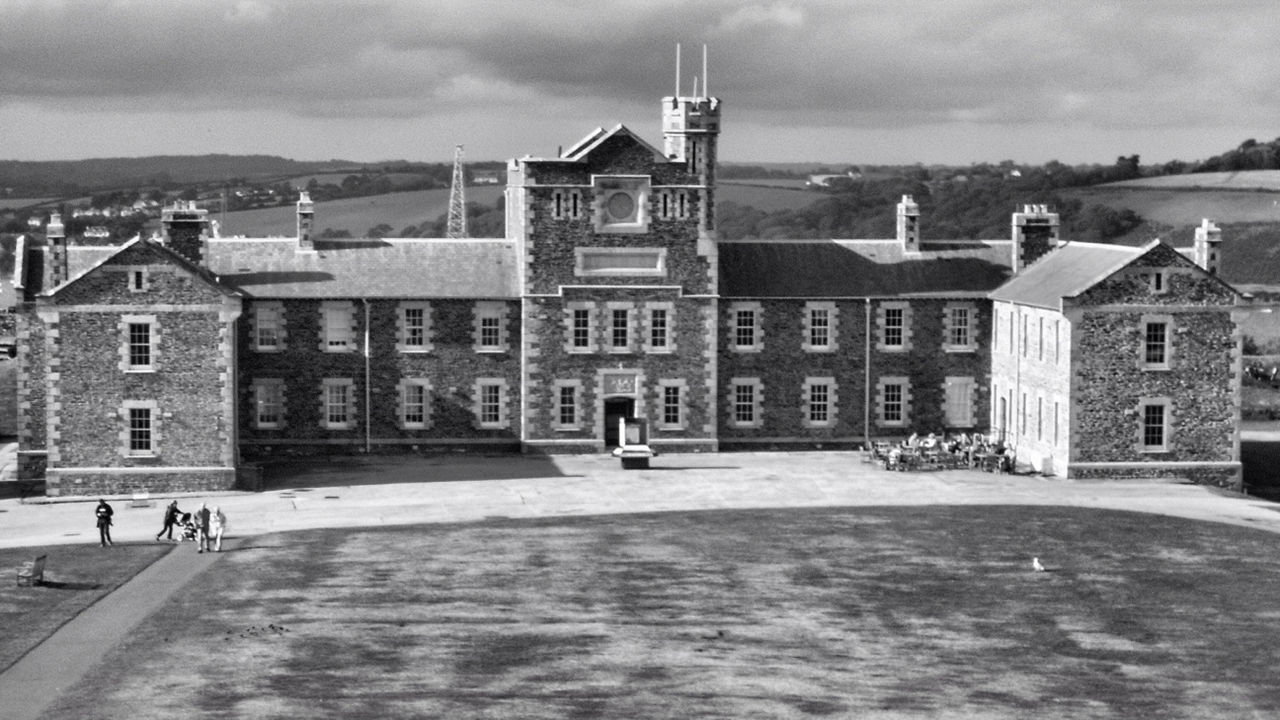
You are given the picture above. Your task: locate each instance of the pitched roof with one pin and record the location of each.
(104, 253)
(1067, 272)
(597, 137)
(861, 268)
(386, 267)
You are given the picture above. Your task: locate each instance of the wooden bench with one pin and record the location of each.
(31, 572)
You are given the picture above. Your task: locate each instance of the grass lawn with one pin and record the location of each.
(879, 612)
(75, 577)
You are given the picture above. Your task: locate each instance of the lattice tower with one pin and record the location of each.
(457, 199)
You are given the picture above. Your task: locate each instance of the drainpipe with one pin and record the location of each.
(866, 384)
(368, 392)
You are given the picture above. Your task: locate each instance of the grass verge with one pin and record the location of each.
(881, 612)
(76, 576)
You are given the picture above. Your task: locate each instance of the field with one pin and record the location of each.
(876, 613)
(399, 210)
(355, 215)
(1240, 180)
(13, 203)
(1179, 207)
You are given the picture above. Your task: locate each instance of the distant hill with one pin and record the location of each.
(57, 177)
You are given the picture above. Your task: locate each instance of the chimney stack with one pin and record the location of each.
(1035, 234)
(56, 237)
(306, 217)
(186, 229)
(1208, 246)
(909, 224)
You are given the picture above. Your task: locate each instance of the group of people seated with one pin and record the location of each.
(977, 450)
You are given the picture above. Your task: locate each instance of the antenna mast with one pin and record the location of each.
(677, 70)
(457, 199)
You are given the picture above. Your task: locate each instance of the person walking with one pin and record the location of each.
(217, 525)
(104, 512)
(171, 515)
(202, 528)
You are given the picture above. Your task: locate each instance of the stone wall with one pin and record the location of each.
(782, 364)
(72, 482)
(451, 367)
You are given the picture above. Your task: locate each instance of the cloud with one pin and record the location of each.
(812, 63)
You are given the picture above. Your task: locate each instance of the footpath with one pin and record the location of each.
(373, 492)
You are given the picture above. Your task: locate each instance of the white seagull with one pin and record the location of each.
(1035, 565)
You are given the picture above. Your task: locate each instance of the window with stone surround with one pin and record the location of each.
(413, 327)
(579, 327)
(415, 403)
(337, 404)
(819, 405)
(490, 403)
(337, 332)
(140, 435)
(958, 401)
(138, 279)
(747, 333)
(1153, 424)
(672, 411)
(268, 403)
(746, 400)
(958, 327)
(268, 326)
(673, 205)
(619, 328)
(893, 401)
(1157, 345)
(621, 203)
(894, 326)
(566, 204)
(659, 337)
(568, 410)
(819, 327)
(490, 329)
(139, 343)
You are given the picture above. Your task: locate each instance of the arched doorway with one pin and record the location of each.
(615, 408)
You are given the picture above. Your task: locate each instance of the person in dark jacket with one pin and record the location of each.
(202, 528)
(171, 515)
(104, 512)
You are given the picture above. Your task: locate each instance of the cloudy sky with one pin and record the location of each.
(858, 81)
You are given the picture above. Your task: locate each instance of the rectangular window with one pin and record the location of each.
(671, 405)
(137, 280)
(267, 328)
(1156, 348)
(658, 329)
(567, 413)
(1022, 414)
(490, 333)
(744, 328)
(744, 404)
(819, 327)
(891, 407)
(140, 346)
(268, 400)
(1057, 334)
(1039, 418)
(619, 329)
(337, 328)
(1024, 336)
(337, 403)
(140, 431)
(490, 404)
(415, 327)
(1154, 433)
(1055, 424)
(958, 406)
(566, 204)
(1040, 341)
(819, 403)
(893, 325)
(958, 332)
(414, 399)
(581, 338)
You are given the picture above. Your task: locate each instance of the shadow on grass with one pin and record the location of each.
(55, 585)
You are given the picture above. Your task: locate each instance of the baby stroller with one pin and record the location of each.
(188, 524)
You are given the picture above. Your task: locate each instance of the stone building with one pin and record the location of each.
(1111, 361)
(173, 362)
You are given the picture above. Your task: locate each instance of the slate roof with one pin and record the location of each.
(387, 267)
(79, 265)
(1067, 272)
(861, 268)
